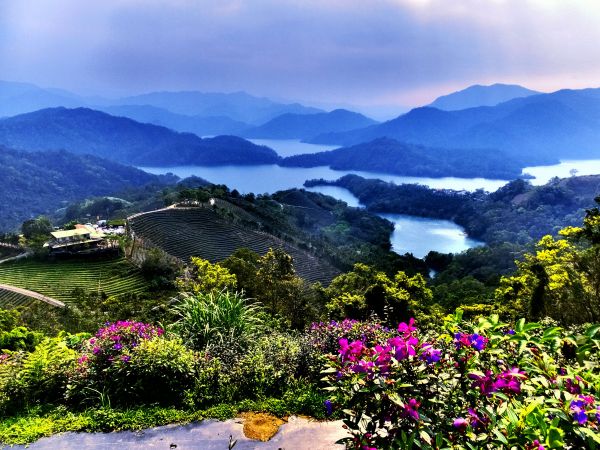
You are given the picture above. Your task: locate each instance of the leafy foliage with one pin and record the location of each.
(207, 321)
(469, 386)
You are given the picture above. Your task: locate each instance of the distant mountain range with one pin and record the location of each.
(238, 106)
(307, 126)
(86, 131)
(200, 125)
(34, 183)
(478, 95)
(386, 155)
(224, 113)
(538, 129)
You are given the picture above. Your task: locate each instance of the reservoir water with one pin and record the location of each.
(414, 235)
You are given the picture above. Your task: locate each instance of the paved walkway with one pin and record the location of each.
(32, 294)
(297, 434)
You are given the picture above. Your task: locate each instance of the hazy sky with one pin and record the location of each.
(368, 53)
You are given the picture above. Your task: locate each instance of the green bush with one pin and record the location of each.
(160, 371)
(20, 338)
(129, 363)
(27, 379)
(215, 319)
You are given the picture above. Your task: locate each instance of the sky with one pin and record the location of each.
(374, 55)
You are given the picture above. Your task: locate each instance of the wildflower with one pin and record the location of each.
(460, 424)
(535, 445)
(474, 340)
(118, 346)
(328, 407)
(125, 358)
(404, 347)
(410, 409)
(478, 342)
(579, 408)
(96, 350)
(82, 359)
(509, 381)
(485, 383)
(407, 328)
(477, 421)
(429, 354)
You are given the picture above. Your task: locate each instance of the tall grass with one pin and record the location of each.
(217, 318)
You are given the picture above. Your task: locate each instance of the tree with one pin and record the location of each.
(34, 228)
(203, 277)
(366, 291)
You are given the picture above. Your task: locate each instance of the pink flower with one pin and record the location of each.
(407, 328)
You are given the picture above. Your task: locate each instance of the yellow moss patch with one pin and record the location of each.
(261, 426)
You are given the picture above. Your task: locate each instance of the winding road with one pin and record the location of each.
(32, 294)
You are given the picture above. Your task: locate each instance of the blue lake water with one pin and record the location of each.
(414, 235)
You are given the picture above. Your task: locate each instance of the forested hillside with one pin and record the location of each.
(537, 129)
(86, 131)
(307, 126)
(516, 213)
(387, 155)
(34, 183)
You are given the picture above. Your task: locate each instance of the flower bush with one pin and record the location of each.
(480, 385)
(131, 362)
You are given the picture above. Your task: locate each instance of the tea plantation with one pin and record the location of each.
(58, 279)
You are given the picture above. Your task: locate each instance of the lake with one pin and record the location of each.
(564, 169)
(415, 235)
(418, 235)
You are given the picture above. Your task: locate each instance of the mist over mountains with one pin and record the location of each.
(538, 129)
(478, 95)
(86, 131)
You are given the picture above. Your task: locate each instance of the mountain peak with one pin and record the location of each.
(481, 95)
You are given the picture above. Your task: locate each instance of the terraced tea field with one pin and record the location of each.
(10, 299)
(57, 279)
(201, 232)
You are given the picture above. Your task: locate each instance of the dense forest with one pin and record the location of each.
(86, 131)
(34, 183)
(518, 212)
(385, 155)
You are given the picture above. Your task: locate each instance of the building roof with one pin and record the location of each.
(78, 232)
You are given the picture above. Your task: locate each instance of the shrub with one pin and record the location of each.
(105, 359)
(467, 386)
(20, 338)
(40, 376)
(209, 320)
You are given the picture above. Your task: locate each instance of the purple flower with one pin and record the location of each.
(328, 407)
(430, 354)
(478, 342)
(579, 408)
(405, 328)
(474, 340)
(125, 358)
(410, 409)
(509, 381)
(460, 424)
(118, 346)
(96, 350)
(485, 383)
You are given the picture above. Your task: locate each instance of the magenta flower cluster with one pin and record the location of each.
(476, 341)
(359, 357)
(113, 342)
(325, 336)
(508, 382)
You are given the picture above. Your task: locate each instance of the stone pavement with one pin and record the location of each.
(296, 434)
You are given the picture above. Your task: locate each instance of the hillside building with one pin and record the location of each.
(81, 238)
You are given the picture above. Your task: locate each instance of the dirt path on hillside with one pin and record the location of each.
(32, 294)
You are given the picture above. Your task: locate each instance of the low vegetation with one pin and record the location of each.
(60, 279)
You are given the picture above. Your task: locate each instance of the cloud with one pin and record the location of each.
(338, 51)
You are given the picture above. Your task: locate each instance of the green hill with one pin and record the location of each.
(58, 279)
